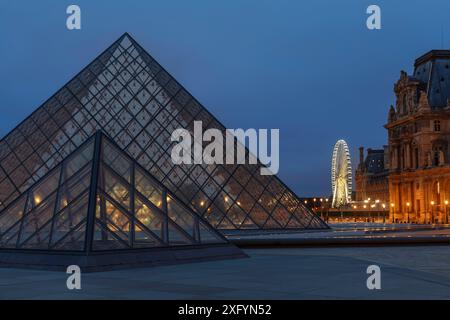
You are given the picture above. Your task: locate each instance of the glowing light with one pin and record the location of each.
(226, 199)
(408, 204)
(355, 207)
(392, 205)
(377, 201)
(432, 203)
(202, 203)
(306, 202)
(238, 203)
(364, 206)
(446, 202)
(37, 200)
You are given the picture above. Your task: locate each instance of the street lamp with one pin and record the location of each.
(446, 215)
(432, 213)
(393, 213)
(407, 213)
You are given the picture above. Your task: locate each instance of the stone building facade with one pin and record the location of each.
(371, 176)
(418, 137)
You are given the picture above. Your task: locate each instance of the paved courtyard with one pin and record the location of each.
(420, 272)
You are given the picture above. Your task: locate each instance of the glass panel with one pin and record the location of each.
(245, 201)
(148, 187)
(259, 215)
(316, 223)
(281, 215)
(225, 224)
(12, 215)
(207, 236)
(37, 219)
(79, 159)
(114, 159)
(248, 224)
(105, 239)
(142, 239)
(149, 218)
(271, 224)
(45, 188)
(67, 232)
(302, 215)
(294, 223)
(214, 215)
(116, 220)
(116, 189)
(236, 215)
(40, 239)
(74, 240)
(74, 187)
(9, 239)
(177, 238)
(180, 216)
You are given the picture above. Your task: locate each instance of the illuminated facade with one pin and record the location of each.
(127, 95)
(341, 175)
(419, 136)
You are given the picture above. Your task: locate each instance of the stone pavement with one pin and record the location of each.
(421, 272)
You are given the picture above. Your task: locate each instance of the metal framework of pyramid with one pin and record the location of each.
(128, 95)
(100, 210)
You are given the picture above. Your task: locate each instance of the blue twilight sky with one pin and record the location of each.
(310, 68)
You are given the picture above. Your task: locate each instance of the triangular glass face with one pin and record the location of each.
(134, 210)
(129, 96)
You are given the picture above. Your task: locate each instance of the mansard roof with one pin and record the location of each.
(433, 69)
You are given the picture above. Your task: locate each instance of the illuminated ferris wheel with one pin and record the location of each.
(341, 175)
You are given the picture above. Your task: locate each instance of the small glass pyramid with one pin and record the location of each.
(98, 199)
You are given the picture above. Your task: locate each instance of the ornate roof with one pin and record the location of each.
(433, 69)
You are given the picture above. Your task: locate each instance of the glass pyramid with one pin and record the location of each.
(97, 202)
(99, 199)
(128, 95)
